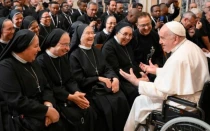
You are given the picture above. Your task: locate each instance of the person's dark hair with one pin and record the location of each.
(144, 14)
(108, 3)
(162, 5)
(136, 5)
(81, 1)
(119, 1)
(63, 4)
(188, 14)
(53, 2)
(91, 3)
(152, 7)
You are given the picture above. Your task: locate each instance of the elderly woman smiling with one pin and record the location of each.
(119, 54)
(29, 100)
(98, 81)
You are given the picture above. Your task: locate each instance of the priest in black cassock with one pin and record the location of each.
(28, 99)
(119, 55)
(108, 26)
(6, 32)
(98, 81)
(145, 42)
(73, 105)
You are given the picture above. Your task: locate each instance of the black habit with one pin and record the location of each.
(146, 47)
(63, 85)
(121, 57)
(24, 89)
(112, 108)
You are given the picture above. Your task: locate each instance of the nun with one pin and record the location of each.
(118, 54)
(107, 26)
(6, 32)
(30, 23)
(73, 105)
(45, 25)
(29, 100)
(17, 17)
(98, 81)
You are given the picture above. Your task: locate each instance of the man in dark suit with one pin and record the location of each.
(70, 7)
(90, 17)
(5, 8)
(65, 15)
(56, 20)
(82, 4)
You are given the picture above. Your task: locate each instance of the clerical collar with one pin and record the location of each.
(117, 40)
(16, 26)
(80, 12)
(84, 47)
(177, 46)
(18, 58)
(44, 25)
(4, 42)
(51, 54)
(106, 32)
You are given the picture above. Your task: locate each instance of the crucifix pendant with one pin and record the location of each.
(61, 83)
(39, 88)
(96, 71)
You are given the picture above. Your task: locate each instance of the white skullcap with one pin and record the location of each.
(177, 28)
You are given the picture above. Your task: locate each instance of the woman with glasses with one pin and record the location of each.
(6, 32)
(107, 28)
(98, 81)
(45, 25)
(74, 108)
(119, 55)
(29, 103)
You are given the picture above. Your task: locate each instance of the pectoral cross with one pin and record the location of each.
(39, 88)
(97, 71)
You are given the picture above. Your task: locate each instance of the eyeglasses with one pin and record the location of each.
(89, 33)
(9, 29)
(145, 25)
(65, 44)
(126, 35)
(111, 23)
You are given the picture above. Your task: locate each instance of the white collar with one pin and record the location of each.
(16, 26)
(84, 47)
(4, 42)
(177, 46)
(106, 32)
(117, 40)
(19, 58)
(80, 12)
(51, 54)
(107, 12)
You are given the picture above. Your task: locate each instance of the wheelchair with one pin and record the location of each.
(175, 119)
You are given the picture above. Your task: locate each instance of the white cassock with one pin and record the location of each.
(183, 74)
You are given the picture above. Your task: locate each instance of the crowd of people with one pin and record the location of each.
(84, 70)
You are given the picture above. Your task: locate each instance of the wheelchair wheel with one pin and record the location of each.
(185, 124)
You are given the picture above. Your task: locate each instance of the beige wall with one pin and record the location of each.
(147, 4)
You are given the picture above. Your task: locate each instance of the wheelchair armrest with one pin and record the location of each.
(182, 101)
